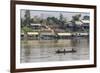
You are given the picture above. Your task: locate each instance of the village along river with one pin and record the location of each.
(45, 50)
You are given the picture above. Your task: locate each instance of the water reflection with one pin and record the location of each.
(45, 50)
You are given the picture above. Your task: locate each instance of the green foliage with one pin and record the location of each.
(76, 17)
(26, 21)
(54, 20)
(26, 29)
(51, 21)
(86, 18)
(61, 17)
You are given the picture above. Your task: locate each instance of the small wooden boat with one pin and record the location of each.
(66, 51)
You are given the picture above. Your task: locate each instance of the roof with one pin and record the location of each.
(32, 33)
(78, 22)
(64, 34)
(47, 33)
(83, 33)
(36, 24)
(85, 21)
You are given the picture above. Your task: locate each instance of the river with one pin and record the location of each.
(45, 50)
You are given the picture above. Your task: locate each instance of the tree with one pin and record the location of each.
(61, 17)
(26, 23)
(27, 18)
(86, 18)
(74, 19)
(22, 22)
(52, 20)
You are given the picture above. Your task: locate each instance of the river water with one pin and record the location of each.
(45, 50)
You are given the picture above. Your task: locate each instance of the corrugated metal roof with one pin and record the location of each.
(64, 34)
(78, 22)
(32, 33)
(85, 21)
(36, 24)
(45, 33)
(83, 33)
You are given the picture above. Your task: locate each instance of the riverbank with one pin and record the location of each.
(51, 36)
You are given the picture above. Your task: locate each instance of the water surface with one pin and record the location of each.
(45, 50)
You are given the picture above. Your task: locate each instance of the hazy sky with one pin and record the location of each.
(45, 14)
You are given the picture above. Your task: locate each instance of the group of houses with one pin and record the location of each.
(45, 32)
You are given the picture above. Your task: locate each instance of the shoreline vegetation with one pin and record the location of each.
(54, 28)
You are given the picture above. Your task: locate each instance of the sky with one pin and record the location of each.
(45, 14)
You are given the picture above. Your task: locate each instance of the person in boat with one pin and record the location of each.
(64, 50)
(73, 50)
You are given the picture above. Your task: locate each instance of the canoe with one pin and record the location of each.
(65, 51)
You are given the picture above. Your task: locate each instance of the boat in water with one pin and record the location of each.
(66, 51)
